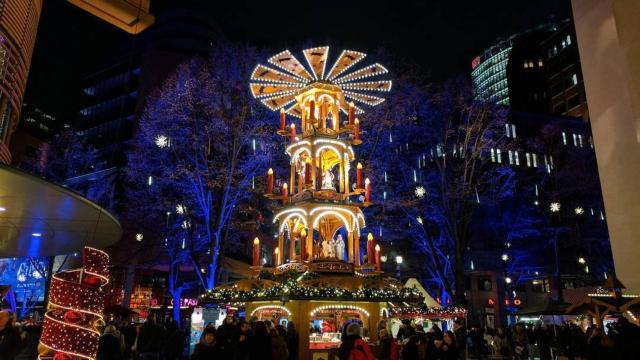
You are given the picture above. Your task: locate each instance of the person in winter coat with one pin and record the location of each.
(292, 341)
(110, 345)
(410, 349)
(9, 337)
(520, 342)
(449, 348)
(208, 348)
(278, 345)
(261, 343)
(388, 346)
(501, 344)
(353, 347)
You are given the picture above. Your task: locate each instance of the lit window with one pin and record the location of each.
(564, 44)
(493, 155)
(508, 132)
(535, 160)
(568, 40)
(564, 138)
(530, 64)
(580, 140)
(499, 156)
(526, 64)
(150, 180)
(515, 153)
(528, 156)
(540, 63)
(575, 140)
(574, 79)
(513, 130)
(555, 50)
(510, 157)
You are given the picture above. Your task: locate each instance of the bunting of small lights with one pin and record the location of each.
(278, 88)
(74, 315)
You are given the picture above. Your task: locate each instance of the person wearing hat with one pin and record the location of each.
(208, 348)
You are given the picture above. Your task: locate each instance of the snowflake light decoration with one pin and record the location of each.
(554, 207)
(162, 141)
(277, 89)
(420, 192)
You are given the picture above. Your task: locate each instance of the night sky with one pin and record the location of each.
(441, 36)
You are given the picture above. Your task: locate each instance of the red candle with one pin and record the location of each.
(312, 110)
(283, 118)
(300, 182)
(292, 133)
(370, 253)
(359, 176)
(351, 113)
(270, 181)
(377, 257)
(356, 129)
(285, 192)
(256, 252)
(303, 244)
(367, 190)
(307, 171)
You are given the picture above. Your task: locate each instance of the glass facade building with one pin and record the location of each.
(489, 74)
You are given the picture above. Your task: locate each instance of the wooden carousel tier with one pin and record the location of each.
(319, 195)
(314, 286)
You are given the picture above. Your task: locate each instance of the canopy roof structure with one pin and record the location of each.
(39, 218)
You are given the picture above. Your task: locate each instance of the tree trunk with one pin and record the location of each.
(215, 258)
(176, 292)
(458, 297)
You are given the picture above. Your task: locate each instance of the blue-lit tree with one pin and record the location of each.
(436, 170)
(200, 144)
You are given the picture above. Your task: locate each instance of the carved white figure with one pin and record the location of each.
(301, 166)
(327, 180)
(332, 248)
(326, 249)
(340, 247)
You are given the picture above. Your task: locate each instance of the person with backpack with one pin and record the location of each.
(353, 347)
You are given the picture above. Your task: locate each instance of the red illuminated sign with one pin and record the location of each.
(475, 62)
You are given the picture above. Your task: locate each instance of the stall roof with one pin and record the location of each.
(428, 300)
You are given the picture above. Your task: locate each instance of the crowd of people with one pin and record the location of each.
(567, 341)
(248, 340)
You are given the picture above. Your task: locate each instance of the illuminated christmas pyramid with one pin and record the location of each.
(320, 223)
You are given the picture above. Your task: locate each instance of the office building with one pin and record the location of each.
(18, 28)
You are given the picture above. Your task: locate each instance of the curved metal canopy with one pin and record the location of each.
(39, 218)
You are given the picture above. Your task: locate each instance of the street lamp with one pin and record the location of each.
(398, 263)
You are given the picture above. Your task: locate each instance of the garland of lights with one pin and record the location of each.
(74, 314)
(293, 290)
(427, 312)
